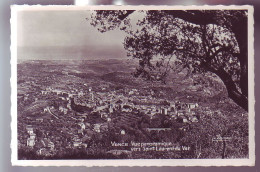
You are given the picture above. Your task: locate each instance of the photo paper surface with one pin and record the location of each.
(132, 86)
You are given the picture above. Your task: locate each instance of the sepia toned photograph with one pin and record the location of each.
(132, 86)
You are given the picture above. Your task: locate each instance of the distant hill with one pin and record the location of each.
(120, 78)
(106, 66)
(83, 75)
(118, 71)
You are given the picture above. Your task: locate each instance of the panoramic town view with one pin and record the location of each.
(94, 85)
(97, 109)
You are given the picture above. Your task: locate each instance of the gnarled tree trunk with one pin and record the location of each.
(238, 97)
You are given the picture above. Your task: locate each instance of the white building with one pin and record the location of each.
(51, 145)
(39, 120)
(45, 109)
(32, 136)
(30, 142)
(122, 132)
(29, 129)
(164, 111)
(97, 128)
(100, 108)
(82, 125)
(192, 105)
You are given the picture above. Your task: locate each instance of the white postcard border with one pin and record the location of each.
(130, 162)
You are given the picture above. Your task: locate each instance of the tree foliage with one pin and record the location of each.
(201, 41)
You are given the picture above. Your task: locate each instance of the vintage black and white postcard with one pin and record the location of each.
(132, 86)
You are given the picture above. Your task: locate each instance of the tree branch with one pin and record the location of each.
(128, 12)
(192, 16)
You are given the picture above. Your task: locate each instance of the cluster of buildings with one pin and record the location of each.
(104, 104)
(46, 147)
(32, 136)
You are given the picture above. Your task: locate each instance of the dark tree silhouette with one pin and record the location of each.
(201, 41)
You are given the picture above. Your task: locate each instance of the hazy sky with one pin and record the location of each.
(64, 35)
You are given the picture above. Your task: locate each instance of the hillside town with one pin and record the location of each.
(81, 112)
(63, 113)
